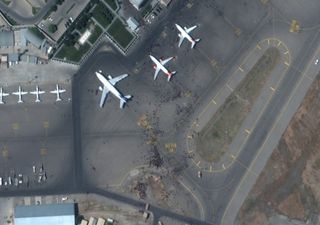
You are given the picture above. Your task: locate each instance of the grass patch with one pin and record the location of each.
(120, 34)
(112, 4)
(11, 21)
(71, 53)
(102, 14)
(95, 34)
(35, 31)
(35, 10)
(7, 2)
(146, 10)
(214, 139)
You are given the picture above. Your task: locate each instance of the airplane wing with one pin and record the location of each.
(42, 92)
(33, 92)
(188, 30)
(115, 80)
(104, 95)
(181, 38)
(15, 93)
(24, 92)
(156, 72)
(5, 94)
(53, 92)
(163, 62)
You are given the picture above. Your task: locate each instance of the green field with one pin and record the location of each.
(214, 139)
(102, 14)
(120, 34)
(95, 34)
(35, 31)
(71, 53)
(35, 10)
(111, 3)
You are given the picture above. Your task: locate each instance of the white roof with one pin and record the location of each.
(84, 37)
(132, 23)
(47, 220)
(136, 3)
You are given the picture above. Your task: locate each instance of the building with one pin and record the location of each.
(133, 23)
(165, 2)
(6, 38)
(53, 214)
(137, 3)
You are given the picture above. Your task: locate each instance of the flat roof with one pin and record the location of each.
(44, 210)
(6, 38)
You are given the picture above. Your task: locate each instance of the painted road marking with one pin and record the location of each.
(272, 89)
(223, 166)
(210, 168)
(198, 163)
(46, 124)
(240, 69)
(228, 86)
(275, 42)
(43, 151)
(247, 131)
(232, 156)
(15, 126)
(5, 152)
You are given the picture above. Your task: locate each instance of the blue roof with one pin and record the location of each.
(50, 210)
(6, 38)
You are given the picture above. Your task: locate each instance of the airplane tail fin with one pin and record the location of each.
(124, 100)
(195, 42)
(171, 74)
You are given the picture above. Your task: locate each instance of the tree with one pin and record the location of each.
(54, 8)
(52, 28)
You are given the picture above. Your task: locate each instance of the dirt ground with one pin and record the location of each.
(214, 139)
(289, 184)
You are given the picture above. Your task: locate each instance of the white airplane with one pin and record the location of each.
(2, 94)
(58, 91)
(108, 86)
(159, 65)
(184, 33)
(20, 93)
(37, 92)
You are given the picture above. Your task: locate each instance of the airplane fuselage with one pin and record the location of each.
(109, 86)
(158, 64)
(184, 33)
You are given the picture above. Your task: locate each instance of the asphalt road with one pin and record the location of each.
(217, 189)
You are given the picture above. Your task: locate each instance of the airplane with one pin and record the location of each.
(20, 93)
(159, 65)
(58, 91)
(2, 94)
(37, 92)
(184, 33)
(108, 86)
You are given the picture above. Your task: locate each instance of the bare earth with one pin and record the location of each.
(289, 184)
(214, 139)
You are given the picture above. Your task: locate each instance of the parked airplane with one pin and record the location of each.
(184, 33)
(37, 92)
(2, 94)
(58, 91)
(108, 86)
(20, 93)
(159, 65)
